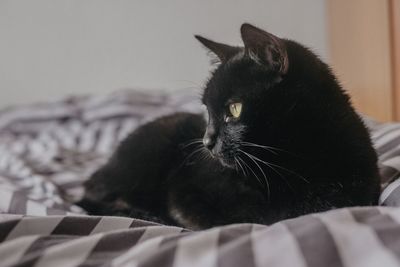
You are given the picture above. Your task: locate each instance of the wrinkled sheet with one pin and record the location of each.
(48, 149)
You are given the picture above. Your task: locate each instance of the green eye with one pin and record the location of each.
(235, 109)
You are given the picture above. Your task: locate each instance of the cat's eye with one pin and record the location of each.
(235, 109)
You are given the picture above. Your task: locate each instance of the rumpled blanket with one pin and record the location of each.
(48, 149)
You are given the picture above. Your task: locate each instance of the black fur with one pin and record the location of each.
(298, 146)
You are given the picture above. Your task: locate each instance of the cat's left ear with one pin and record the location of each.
(267, 48)
(222, 51)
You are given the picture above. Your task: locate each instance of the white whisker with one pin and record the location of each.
(259, 146)
(255, 162)
(255, 175)
(246, 166)
(268, 148)
(192, 154)
(192, 142)
(269, 164)
(240, 165)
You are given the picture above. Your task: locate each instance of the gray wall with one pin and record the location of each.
(51, 48)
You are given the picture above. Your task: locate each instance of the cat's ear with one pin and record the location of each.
(267, 48)
(222, 51)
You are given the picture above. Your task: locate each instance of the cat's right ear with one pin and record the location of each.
(222, 51)
(267, 48)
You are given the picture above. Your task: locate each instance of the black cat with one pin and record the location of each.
(281, 140)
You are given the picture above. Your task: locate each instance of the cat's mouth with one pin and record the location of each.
(220, 152)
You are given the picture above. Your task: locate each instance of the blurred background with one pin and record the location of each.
(53, 48)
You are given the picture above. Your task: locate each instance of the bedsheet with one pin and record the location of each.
(48, 149)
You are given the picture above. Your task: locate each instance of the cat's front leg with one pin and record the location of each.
(198, 208)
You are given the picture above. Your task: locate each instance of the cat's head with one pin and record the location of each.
(253, 90)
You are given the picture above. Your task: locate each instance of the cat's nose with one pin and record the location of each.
(208, 142)
(209, 137)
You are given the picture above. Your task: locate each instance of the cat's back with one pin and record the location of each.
(159, 143)
(138, 168)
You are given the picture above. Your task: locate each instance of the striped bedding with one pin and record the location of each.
(48, 149)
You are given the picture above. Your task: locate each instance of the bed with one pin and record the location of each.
(48, 149)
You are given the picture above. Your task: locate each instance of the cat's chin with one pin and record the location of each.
(226, 163)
